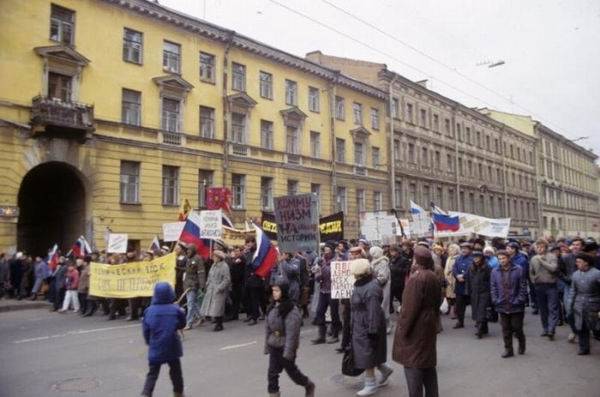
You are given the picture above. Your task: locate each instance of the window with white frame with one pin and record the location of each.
(266, 85)
(133, 46)
(398, 194)
(207, 122)
(238, 127)
(315, 189)
(130, 182)
(291, 92)
(292, 141)
(238, 188)
(375, 118)
(359, 153)
(171, 57)
(377, 201)
(170, 185)
(360, 200)
(375, 156)
(266, 134)
(131, 104)
(315, 144)
(266, 193)
(170, 114)
(62, 25)
(340, 199)
(395, 111)
(60, 86)
(207, 67)
(314, 99)
(340, 110)
(357, 112)
(340, 150)
(292, 187)
(238, 76)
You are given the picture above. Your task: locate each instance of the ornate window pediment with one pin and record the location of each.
(240, 102)
(360, 134)
(62, 54)
(174, 85)
(293, 117)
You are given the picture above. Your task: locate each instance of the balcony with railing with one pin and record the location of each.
(55, 115)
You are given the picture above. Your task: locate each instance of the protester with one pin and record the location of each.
(41, 272)
(84, 286)
(416, 327)
(509, 294)
(4, 274)
(237, 266)
(517, 257)
(453, 254)
(322, 273)
(194, 280)
(282, 338)
(253, 285)
(478, 287)
(400, 262)
(490, 257)
(459, 271)
(71, 285)
(217, 290)
(288, 268)
(16, 276)
(568, 267)
(369, 341)
(381, 271)
(583, 301)
(543, 274)
(57, 286)
(162, 320)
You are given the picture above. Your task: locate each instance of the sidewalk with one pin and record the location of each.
(24, 304)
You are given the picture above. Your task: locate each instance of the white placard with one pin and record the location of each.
(342, 280)
(117, 243)
(211, 224)
(172, 231)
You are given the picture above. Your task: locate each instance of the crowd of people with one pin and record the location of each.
(419, 280)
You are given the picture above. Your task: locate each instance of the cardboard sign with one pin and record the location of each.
(117, 243)
(342, 280)
(332, 227)
(211, 224)
(297, 223)
(379, 227)
(172, 231)
(269, 225)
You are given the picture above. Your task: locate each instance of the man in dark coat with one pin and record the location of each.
(16, 275)
(400, 263)
(417, 327)
(460, 270)
(253, 285)
(478, 287)
(237, 268)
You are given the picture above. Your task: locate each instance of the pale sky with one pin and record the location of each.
(551, 47)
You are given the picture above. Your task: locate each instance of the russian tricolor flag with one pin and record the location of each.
(265, 256)
(191, 235)
(53, 257)
(444, 222)
(81, 248)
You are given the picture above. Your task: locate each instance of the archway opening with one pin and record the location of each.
(51, 208)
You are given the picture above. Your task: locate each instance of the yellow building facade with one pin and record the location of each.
(114, 112)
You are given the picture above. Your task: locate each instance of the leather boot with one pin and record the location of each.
(522, 345)
(321, 339)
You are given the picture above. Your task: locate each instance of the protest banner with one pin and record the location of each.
(269, 225)
(130, 280)
(332, 227)
(379, 227)
(342, 280)
(475, 224)
(117, 243)
(421, 225)
(235, 237)
(297, 223)
(172, 231)
(211, 224)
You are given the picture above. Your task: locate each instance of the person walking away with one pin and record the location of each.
(583, 302)
(194, 280)
(508, 287)
(460, 270)
(543, 274)
(322, 273)
(84, 286)
(71, 285)
(217, 289)
(41, 273)
(381, 271)
(162, 320)
(453, 253)
(416, 328)
(369, 340)
(478, 287)
(282, 338)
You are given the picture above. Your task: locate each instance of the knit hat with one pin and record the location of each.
(220, 254)
(360, 267)
(423, 257)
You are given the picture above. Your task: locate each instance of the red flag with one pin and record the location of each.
(218, 198)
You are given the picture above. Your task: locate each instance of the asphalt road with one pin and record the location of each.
(48, 354)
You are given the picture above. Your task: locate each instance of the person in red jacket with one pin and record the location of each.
(71, 285)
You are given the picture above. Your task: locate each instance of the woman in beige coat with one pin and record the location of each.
(453, 252)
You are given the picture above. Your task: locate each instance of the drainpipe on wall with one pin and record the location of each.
(332, 94)
(457, 170)
(504, 176)
(226, 109)
(538, 179)
(392, 144)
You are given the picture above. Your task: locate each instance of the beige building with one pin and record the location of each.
(568, 179)
(450, 154)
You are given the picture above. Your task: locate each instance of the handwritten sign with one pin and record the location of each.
(211, 224)
(172, 231)
(342, 280)
(117, 243)
(297, 223)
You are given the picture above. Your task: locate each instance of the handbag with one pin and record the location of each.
(348, 367)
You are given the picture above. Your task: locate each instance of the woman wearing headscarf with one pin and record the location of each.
(369, 344)
(217, 288)
(453, 252)
(380, 265)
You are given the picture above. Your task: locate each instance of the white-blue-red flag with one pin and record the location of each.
(81, 248)
(265, 256)
(191, 235)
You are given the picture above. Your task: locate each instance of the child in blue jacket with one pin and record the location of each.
(161, 322)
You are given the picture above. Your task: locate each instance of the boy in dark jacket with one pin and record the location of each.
(161, 322)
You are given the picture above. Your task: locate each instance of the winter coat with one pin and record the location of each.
(492, 262)
(461, 266)
(195, 276)
(324, 276)
(282, 330)
(478, 287)
(16, 272)
(381, 271)
(417, 324)
(450, 280)
(162, 319)
(59, 277)
(251, 279)
(289, 271)
(509, 289)
(217, 289)
(543, 269)
(72, 279)
(399, 268)
(521, 260)
(41, 270)
(583, 300)
(84, 280)
(369, 342)
(568, 267)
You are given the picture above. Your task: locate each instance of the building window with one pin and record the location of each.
(451, 198)
(315, 189)
(130, 182)
(411, 152)
(266, 85)
(357, 112)
(359, 154)
(238, 127)
(238, 77)
(461, 169)
(459, 134)
(315, 144)
(439, 196)
(266, 134)
(468, 135)
(291, 92)
(133, 46)
(292, 187)
(62, 25)
(207, 67)
(470, 167)
(238, 185)
(266, 193)
(170, 185)
(170, 114)
(424, 157)
(426, 195)
(375, 156)
(340, 150)
(340, 199)
(377, 201)
(292, 144)
(488, 146)
(171, 57)
(360, 200)
(412, 192)
(395, 111)
(314, 101)
(423, 118)
(438, 160)
(478, 138)
(131, 104)
(340, 110)
(447, 129)
(436, 123)
(59, 86)
(409, 113)
(207, 122)
(398, 194)
(205, 180)
(375, 119)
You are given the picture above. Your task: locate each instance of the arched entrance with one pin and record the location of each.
(51, 208)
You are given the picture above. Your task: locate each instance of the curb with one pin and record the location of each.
(27, 306)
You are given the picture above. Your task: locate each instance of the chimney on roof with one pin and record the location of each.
(314, 56)
(422, 83)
